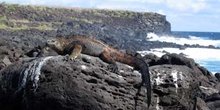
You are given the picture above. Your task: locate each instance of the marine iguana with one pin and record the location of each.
(76, 45)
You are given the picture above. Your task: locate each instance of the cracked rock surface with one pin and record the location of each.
(87, 83)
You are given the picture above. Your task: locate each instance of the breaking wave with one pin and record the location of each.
(207, 57)
(184, 40)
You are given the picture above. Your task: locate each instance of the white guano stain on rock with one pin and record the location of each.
(129, 66)
(136, 72)
(208, 90)
(120, 77)
(177, 76)
(33, 72)
(121, 71)
(158, 80)
(83, 67)
(157, 103)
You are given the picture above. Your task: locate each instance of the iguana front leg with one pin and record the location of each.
(76, 52)
(105, 56)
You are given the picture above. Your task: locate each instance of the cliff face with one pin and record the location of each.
(120, 23)
(32, 78)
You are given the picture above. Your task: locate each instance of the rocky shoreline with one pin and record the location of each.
(32, 78)
(56, 82)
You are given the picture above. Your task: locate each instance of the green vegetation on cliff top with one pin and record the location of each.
(23, 17)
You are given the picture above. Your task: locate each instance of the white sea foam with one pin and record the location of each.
(209, 58)
(191, 40)
(195, 53)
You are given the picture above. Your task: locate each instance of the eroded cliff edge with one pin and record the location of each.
(119, 28)
(86, 83)
(17, 17)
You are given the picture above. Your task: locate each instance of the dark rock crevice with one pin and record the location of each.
(66, 84)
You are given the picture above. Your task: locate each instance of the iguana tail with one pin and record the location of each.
(137, 64)
(143, 67)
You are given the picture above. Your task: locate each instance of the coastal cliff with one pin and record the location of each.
(115, 27)
(21, 17)
(32, 78)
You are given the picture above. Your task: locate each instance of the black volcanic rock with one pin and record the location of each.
(177, 86)
(178, 83)
(217, 75)
(116, 27)
(213, 101)
(66, 84)
(175, 59)
(86, 83)
(151, 59)
(59, 74)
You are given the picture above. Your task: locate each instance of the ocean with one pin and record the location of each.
(207, 57)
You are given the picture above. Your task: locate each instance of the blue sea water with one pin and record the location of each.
(209, 58)
(212, 65)
(203, 35)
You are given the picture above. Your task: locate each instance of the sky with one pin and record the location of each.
(184, 15)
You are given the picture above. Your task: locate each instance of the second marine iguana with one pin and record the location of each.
(76, 45)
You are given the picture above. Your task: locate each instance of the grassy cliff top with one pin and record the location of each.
(20, 17)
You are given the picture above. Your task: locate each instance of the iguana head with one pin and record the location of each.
(55, 44)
